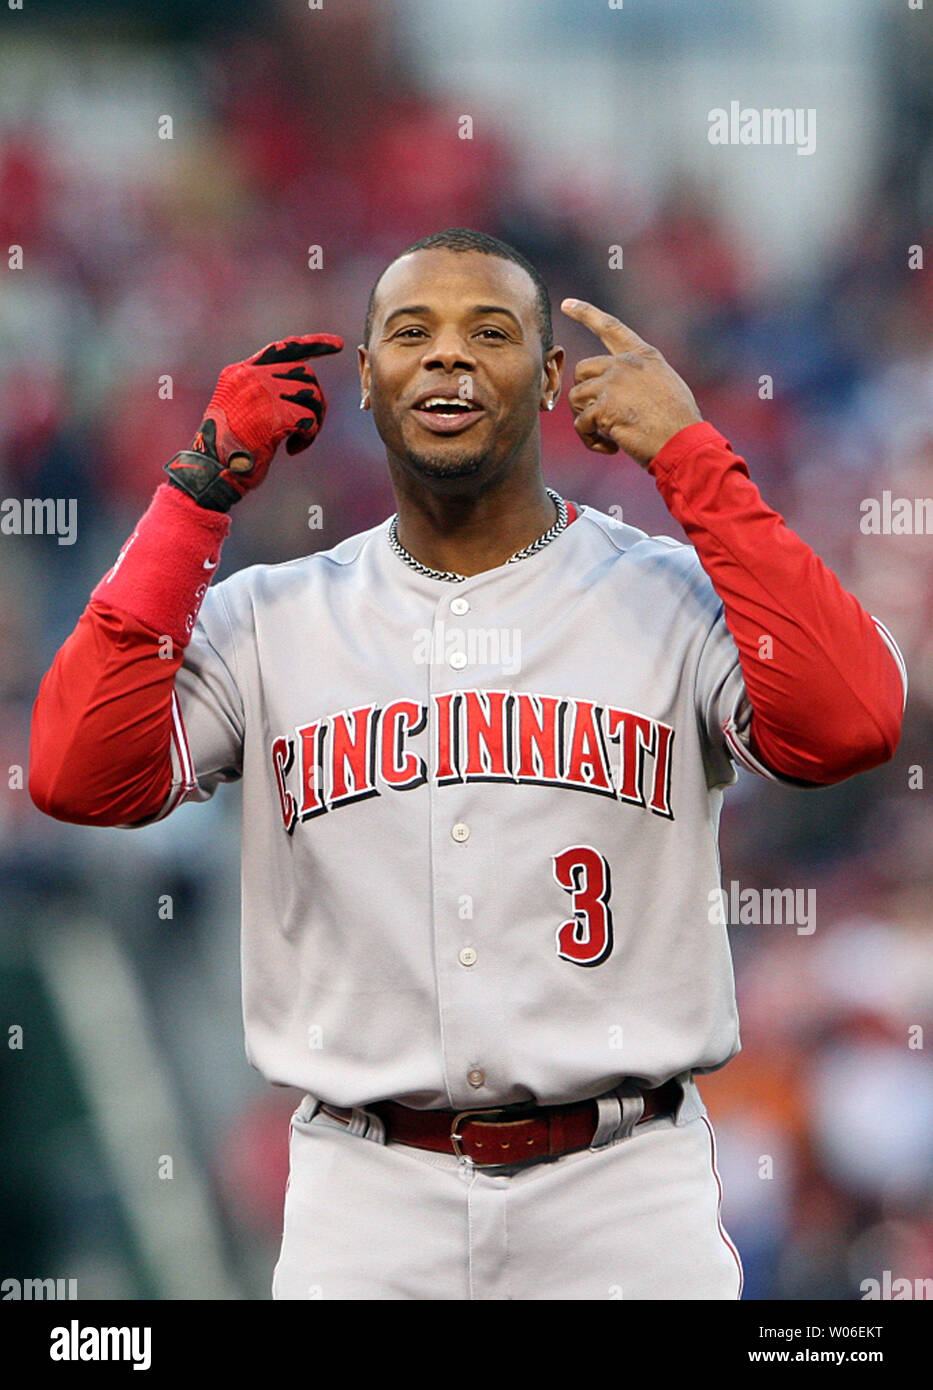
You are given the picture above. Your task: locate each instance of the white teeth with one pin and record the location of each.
(443, 400)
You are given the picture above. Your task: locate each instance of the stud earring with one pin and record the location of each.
(364, 401)
(550, 405)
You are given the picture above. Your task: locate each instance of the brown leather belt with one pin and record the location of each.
(520, 1134)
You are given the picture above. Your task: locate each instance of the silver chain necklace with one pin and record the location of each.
(452, 578)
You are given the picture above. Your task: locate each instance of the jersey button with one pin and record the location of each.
(476, 1077)
(467, 956)
(458, 660)
(459, 606)
(460, 832)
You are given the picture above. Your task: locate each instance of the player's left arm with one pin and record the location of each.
(827, 691)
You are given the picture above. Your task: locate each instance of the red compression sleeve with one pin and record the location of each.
(102, 724)
(163, 571)
(827, 695)
(104, 720)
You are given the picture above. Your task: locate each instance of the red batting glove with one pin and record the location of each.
(256, 404)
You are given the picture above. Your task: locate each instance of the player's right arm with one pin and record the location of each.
(108, 744)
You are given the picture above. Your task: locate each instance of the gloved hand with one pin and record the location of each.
(256, 404)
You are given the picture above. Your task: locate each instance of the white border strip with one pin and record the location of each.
(180, 736)
(722, 1229)
(744, 755)
(894, 650)
(180, 743)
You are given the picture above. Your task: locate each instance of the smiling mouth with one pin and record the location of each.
(446, 414)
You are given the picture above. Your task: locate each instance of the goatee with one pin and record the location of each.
(433, 467)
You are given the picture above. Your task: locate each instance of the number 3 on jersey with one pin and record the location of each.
(584, 873)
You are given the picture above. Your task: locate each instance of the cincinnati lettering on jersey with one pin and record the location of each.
(475, 736)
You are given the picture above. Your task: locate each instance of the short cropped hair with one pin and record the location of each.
(465, 239)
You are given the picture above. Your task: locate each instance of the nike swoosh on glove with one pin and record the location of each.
(270, 397)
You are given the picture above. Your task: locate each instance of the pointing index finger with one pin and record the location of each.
(616, 335)
(297, 349)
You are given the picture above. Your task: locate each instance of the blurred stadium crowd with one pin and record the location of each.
(194, 254)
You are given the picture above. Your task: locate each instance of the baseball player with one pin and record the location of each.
(483, 748)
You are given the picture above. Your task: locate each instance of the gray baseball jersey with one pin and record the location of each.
(479, 819)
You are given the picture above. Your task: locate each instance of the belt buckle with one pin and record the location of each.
(455, 1138)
